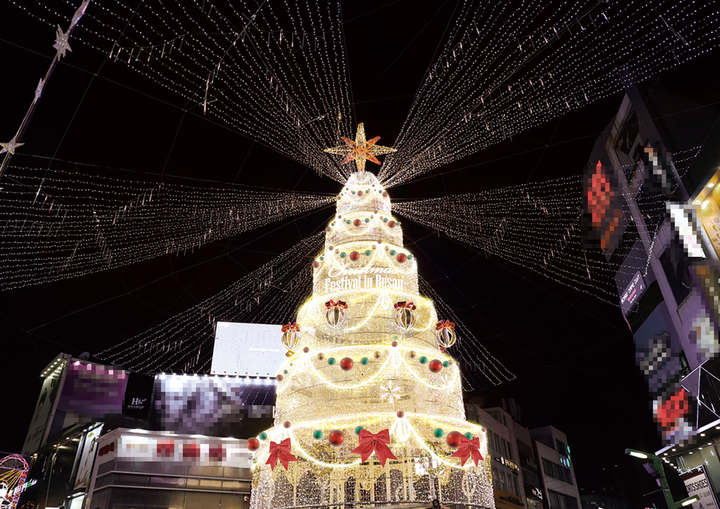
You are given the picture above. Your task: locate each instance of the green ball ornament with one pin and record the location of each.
(358, 429)
(469, 435)
(392, 252)
(446, 364)
(364, 361)
(343, 255)
(368, 252)
(331, 361)
(385, 219)
(262, 436)
(423, 360)
(317, 434)
(438, 433)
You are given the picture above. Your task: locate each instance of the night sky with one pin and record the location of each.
(572, 353)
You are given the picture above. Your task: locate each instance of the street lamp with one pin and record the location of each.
(655, 468)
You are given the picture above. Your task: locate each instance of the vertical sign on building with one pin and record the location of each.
(697, 483)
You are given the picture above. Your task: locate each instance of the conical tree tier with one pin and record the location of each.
(368, 361)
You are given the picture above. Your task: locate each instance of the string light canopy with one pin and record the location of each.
(57, 224)
(184, 343)
(280, 75)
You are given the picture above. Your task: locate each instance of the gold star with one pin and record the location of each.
(360, 150)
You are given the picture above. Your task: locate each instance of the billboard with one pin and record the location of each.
(213, 405)
(696, 483)
(89, 392)
(85, 457)
(247, 349)
(40, 422)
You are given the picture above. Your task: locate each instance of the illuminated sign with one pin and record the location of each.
(507, 463)
(632, 292)
(347, 283)
(247, 349)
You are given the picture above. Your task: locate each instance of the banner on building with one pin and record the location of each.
(697, 483)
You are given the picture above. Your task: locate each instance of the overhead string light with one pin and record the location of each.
(483, 369)
(275, 73)
(538, 226)
(269, 294)
(59, 224)
(506, 68)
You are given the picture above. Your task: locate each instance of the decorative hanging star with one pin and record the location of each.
(61, 42)
(360, 150)
(10, 146)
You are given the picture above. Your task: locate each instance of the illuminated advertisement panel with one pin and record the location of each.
(90, 392)
(40, 422)
(247, 349)
(195, 451)
(85, 457)
(213, 405)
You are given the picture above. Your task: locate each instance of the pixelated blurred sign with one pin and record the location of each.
(602, 218)
(631, 294)
(696, 483)
(247, 349)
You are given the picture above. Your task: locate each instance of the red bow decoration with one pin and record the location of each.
(280, 452)
(447, 324)
(291, 326)
(405, 305)
(468, 448)
(335, 304)
(370, 442)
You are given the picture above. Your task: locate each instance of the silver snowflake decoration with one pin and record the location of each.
(10, 146)
(61, 42)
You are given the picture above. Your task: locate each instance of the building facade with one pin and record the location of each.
(530, 468)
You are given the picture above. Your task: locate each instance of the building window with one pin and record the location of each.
(561, 447)
(557, 471)
(561, 501)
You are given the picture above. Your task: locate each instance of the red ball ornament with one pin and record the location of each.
(401, 414)
(346, 364)
(354, 256)
(328, 229)
(336, 437)
(394, 343)
(435, 366)
(306, 349)
(401, 257)
(253, 444)
(359, 193)
(316, 265)
(453, 439)
(286, 424)
(279, 378)
(385, 195)
(392, 224)
(357, 222)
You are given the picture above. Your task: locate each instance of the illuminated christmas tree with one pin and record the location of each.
(369, 406)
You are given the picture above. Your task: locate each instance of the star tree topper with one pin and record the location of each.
(360, 150)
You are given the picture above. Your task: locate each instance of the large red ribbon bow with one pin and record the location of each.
(291, 326)
(280, 452)
(468, 448)
(405, 305)
(377, 442)
(447, 324)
